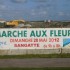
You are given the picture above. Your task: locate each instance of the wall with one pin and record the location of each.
(46, 51)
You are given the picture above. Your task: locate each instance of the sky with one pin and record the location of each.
(34, 10)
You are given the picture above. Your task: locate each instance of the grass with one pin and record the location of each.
(35, 56)
(52, 68)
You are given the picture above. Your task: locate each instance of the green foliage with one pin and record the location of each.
(42, 24)
(35, 56)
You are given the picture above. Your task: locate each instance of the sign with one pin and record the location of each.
(35, 38)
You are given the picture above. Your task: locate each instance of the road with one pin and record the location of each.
(35, 62)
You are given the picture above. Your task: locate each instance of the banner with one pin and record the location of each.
(34, 38)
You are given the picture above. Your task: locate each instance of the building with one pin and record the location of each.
(2, 23)
(14, 23)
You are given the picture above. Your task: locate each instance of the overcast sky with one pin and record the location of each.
(35, 9)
